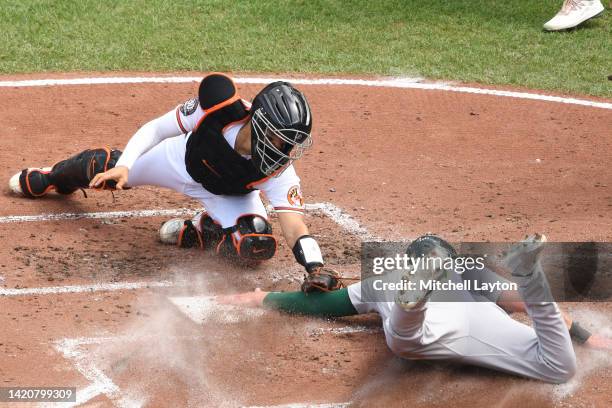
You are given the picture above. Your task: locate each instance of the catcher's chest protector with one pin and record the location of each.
(210, 160)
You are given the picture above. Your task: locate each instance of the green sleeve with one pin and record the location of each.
(326, 304)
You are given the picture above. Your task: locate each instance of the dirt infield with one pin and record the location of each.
(398, 162)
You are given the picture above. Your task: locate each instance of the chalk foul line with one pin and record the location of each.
(99, 383)
(334, 212)
(403, 83)
(96, 287)
(177, 212)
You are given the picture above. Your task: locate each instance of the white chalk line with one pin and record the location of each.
(403, 83)
(332, 211)
(100, 383)
(304, 405)
(344, 220)
(96, 287)
(177, 212)
(73, 350)
(344, 330)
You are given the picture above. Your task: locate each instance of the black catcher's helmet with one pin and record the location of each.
(281, 122)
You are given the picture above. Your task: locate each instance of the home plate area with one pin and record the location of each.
(169, 361)
(181, 348)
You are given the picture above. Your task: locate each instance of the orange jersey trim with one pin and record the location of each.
(256, 182)
(229, 101)
(217, 107)
(178, 119)
(210, 168)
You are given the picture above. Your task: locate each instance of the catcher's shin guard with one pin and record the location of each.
(250, 239)
(66, 176)
(76, 172)
(33, 182)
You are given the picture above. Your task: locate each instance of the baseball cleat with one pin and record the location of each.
(409, 299)
(522, 257)
(574, 13)
(32, 182)
(430, 250)
(181, 233)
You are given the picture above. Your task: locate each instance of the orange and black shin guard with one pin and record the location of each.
(35, 182)
(69, 175)
(76, 172)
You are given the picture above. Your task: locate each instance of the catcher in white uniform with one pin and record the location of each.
(222, 151)
(466, 330)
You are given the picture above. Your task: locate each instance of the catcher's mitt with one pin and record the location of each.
(322, 279)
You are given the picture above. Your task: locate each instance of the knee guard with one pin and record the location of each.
(69, 175)
(250, 239)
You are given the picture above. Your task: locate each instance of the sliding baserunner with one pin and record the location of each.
(469, 331)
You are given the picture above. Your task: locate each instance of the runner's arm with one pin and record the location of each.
(324, 304)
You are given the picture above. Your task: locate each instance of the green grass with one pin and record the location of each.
(489, 42)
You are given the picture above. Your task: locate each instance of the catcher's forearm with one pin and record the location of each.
(328, 304)
(293, 226)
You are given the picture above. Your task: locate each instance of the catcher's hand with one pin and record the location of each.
(118, 174)
(322, 279)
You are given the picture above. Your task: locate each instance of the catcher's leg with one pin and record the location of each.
(247, 232)
(232, 227)
(250, 239)
(66, 176)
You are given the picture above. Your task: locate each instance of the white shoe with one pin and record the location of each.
(180, 232)
(573, 13)
(14, 184)
(522, 257)
(411, 298)
(170, 230)
(430, 252)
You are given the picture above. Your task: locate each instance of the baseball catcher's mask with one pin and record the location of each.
(280, 127)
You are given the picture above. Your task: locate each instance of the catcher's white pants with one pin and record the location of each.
(481, 333)
(164, 166)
